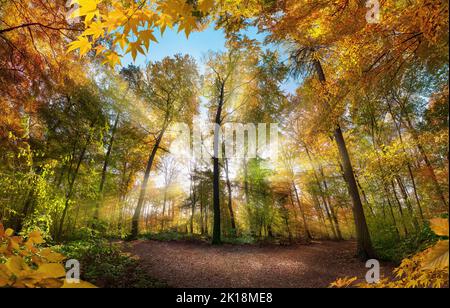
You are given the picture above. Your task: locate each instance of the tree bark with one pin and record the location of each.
(137, 212)
(216, 239)
(70, 191)
(164, 209)
(105, 167)
(399, 205)
(302, 212)
(408, 164)
(364, 242)
(425, 158)
(230, 199)
(407, 202)
(334, 228)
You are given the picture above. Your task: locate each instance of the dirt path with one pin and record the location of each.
(185, 264)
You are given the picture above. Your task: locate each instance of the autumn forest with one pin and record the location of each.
(121, 164)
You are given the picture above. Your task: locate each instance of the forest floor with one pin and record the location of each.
(200, 265)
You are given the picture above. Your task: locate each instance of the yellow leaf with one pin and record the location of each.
(188, 24)
(3, 282)
(439, 226)
(99, 49)
(134, 48)
(80, 285)
(437, 257)
(82, 43)
(51, 283)
(146, 36)
(96, 29)
(9, 232)
(112, 59)
(35, 237)
(122, 41)
(15, 265)
(51, 270)
(5, 275)
(205, 5)
(343, 282)
(164, 22)
(51, 256)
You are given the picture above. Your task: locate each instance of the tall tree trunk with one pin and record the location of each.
(302, 212)
(246, 189)
(425, 158)
(70, 192)
(365, 249)
(407, 202)
(193, 203)
(206, 219)
(137, 211)
(105, 167)
(364, 196)
(334, 228)
(202, 226)
(399, 205)
(364, 242)
(164, 209)
(332, 211)
(230, 199)
(391, 210)
(29, 202)
(408, 164)
(321, 215)
(216, 238)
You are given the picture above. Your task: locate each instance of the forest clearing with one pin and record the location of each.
(224, 144)
(187, 264)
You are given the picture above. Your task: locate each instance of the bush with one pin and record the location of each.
(390, 248)
(105, 265)
(241, 240)
(26, 263)
(425, 269)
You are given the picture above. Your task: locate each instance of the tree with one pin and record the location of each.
(169, 87)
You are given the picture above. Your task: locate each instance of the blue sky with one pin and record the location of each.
(198, 44)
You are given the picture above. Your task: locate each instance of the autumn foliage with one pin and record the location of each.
(25, 263)
(427, 269)
(87, 137)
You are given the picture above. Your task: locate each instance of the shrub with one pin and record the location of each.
(105, 265)
(26, 263)
(425, 269)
